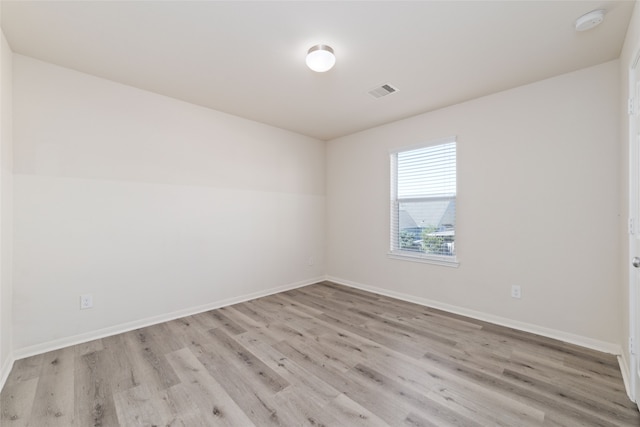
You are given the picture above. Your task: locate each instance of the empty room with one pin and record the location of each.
(319, 213)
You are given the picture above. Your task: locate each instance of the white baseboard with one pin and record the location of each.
(5, 369)
(624, 369)
(603, 346)
(130, 326)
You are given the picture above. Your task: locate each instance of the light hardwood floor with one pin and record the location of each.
(319, 355)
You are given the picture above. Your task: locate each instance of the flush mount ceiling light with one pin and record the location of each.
(589, 20)
(320, 58)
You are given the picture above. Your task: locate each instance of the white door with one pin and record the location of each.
(634, 226)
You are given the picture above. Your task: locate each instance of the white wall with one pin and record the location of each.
(538, 206)
(630, 47)
(6, 326)
(152, 205)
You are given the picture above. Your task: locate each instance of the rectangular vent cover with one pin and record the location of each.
(384, 90)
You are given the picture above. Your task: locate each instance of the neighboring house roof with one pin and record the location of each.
(438, 214)
(406, 221)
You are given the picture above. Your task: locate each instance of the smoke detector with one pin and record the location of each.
(589, 20)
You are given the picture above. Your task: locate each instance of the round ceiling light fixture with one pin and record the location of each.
(320, 58)
(589, 20)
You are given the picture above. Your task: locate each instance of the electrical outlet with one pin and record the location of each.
(86, 301)
(516, 291)
(311, 261)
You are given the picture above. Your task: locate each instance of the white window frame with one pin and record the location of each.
(395, 252)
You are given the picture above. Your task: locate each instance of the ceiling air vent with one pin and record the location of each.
(383, 90)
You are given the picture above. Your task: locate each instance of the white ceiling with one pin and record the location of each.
(247, 58)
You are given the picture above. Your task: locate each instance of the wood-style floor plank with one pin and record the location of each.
(16, 402)
(205, 393)
(54, 401)
(321, 355)
(93, 390)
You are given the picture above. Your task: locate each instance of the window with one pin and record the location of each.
(423, 202)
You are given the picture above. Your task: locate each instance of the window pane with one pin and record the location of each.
(427, 226)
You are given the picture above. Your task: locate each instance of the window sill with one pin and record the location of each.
(426, 259)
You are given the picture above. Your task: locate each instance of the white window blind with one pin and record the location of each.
(423, 201)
